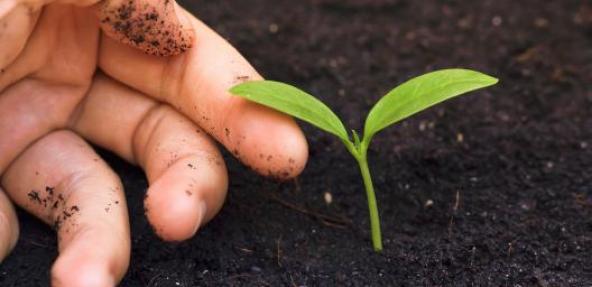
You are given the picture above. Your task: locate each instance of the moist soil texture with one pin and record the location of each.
(491, 189)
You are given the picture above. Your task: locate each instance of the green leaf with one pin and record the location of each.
(421, 93)
(294, 102)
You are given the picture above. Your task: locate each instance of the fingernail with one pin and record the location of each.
(202, 210)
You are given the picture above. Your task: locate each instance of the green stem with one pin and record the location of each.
(372, 205)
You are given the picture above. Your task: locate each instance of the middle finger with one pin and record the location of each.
(187, 175)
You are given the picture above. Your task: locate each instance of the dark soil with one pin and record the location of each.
(508, 169)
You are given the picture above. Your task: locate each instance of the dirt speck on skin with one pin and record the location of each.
(34, 196)
(281, 175)
(241, 79)
(65, 216)
(144, 205)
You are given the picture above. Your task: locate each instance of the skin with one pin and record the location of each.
(70, 75)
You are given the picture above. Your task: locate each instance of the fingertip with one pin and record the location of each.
(185, 197)
(155, 27)
(8, 227)
(271, 143)
(78, 270)
(173, 217)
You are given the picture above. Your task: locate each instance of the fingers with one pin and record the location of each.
(63, 182)
(152, 26)
(187, 175)
(8, 226)
(197, 82)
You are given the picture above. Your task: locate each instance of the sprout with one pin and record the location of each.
(400, 103)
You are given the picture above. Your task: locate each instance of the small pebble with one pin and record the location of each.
(429, 203)
(422, 126)
(256, 269)
(464, 23)
(496, 21)
(460, 137)
(541, 22)
(328, 198)
(274, 28)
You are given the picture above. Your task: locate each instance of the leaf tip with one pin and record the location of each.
(492, 80)
(489, 80)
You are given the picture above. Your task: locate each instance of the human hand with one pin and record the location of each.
(146, 80)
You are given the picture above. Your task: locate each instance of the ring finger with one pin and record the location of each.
(61, 180)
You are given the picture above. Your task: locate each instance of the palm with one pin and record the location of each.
(56, 66)
(69, 81)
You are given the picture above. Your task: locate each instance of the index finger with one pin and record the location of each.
(196, 83)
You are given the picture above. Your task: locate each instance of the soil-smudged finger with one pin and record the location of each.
(186, 172)
(8, 226)
(62, 181)
(152, 26)
(196, 83)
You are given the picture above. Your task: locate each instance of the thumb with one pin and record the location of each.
(153, 26)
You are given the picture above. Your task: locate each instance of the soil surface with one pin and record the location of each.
(491, 189)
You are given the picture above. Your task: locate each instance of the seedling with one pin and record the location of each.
(403, 101)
